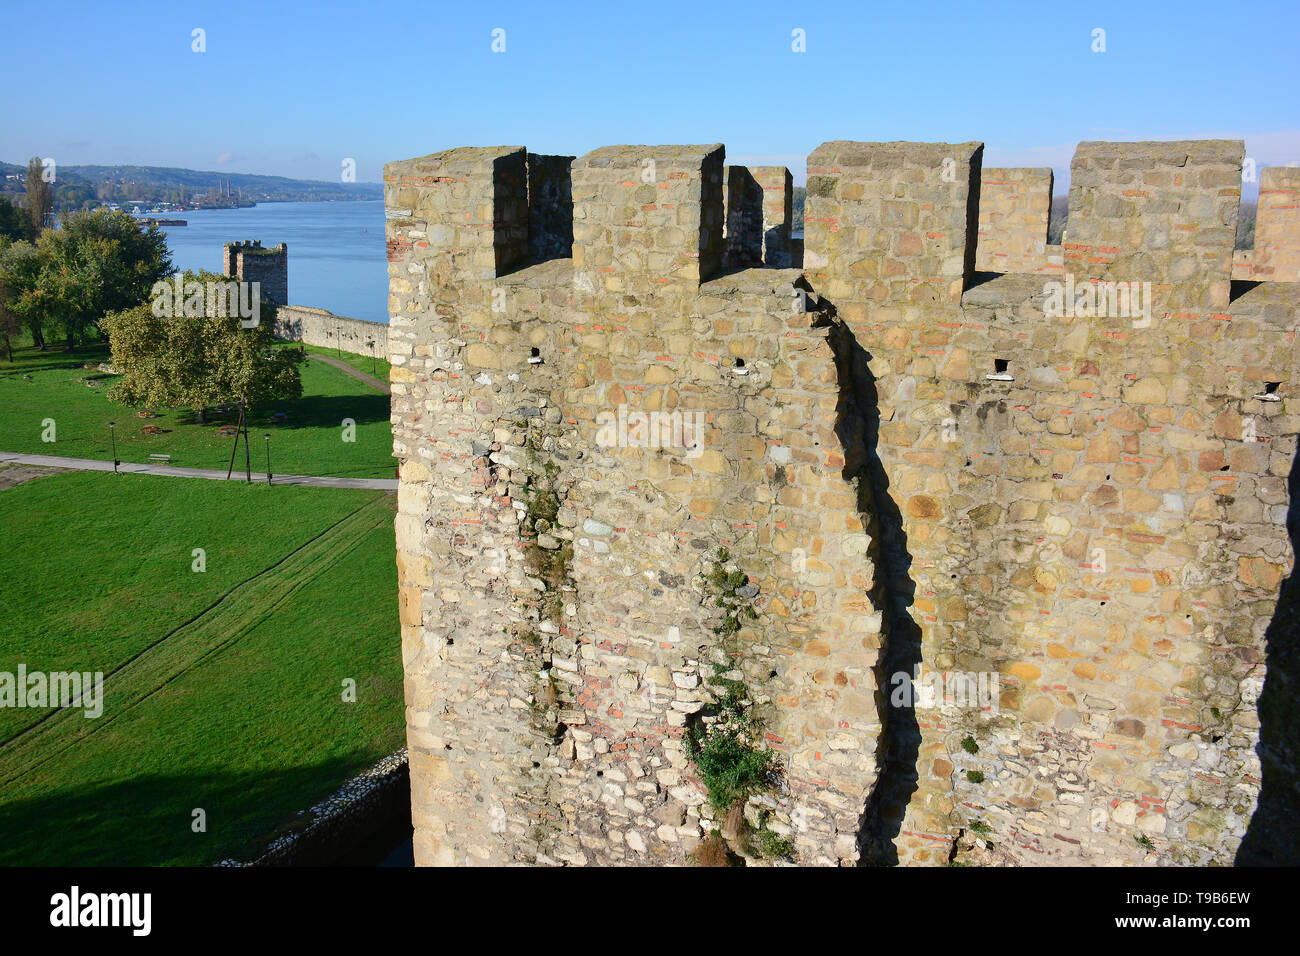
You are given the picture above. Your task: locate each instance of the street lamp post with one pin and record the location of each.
(267, 436)
(112, 434)
(248, 454)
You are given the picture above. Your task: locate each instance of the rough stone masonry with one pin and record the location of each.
(1067, 480)
(247, 261)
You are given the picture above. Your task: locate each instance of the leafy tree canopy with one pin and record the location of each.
(22, 294)
(196, 361)
(99, 262)
(13, 221)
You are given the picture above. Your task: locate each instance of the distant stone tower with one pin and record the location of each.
(249, 262)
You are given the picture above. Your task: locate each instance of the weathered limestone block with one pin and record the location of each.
(892, 222)
(1277, 226)
(647, 215)
(1163, 213)
(1014, 208)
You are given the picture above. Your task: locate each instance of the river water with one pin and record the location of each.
(336, 249)
(337, 257)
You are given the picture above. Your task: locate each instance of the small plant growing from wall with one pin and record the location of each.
(725, 749)
(725, 741)
(975, 776)
(1144, 841)
(730, 591)
(969, 745)
(769, 842)
(547, 560)
(713, 851)
(547, 557)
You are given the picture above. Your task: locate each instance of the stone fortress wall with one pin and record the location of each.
(1276, 256)
(249, 262)
(300, 323)
(1014, 206)
(910, 454)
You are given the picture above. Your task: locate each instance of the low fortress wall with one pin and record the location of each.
(300, 323)
(922, 453)
(249, 262)
(363, 808)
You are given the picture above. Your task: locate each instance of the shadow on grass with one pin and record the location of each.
(313, 411)
(27, 360)
(328, 411)
(147, 820)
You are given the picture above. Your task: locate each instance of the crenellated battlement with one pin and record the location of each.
(1157, 212)
(246, 260)
(645, 216)
(1155, 209)
(1277, 226)
(1074, 484)
(1014, 215)
(892, 221)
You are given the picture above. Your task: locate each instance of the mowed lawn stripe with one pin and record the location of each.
(97, 567)
(260, 731)
(229, 619)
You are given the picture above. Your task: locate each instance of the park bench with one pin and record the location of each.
(161, 459)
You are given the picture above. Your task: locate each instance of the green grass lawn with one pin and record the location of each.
(311, 441)
(377, 366)
(223, 690)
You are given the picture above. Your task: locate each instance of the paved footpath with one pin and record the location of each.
(354, 372)
(135, 468)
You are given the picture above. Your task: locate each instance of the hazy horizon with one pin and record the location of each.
(301, 91)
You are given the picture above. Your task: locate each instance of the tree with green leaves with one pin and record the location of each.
(99, 262)
(39, 202)
(13, 223)
(196, 361)
(23, 295)
(11, 323)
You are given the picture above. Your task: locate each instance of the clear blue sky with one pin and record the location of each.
(294, 88)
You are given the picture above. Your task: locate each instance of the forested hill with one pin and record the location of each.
(78, 186)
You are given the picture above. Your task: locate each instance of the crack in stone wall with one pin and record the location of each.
(915, 465)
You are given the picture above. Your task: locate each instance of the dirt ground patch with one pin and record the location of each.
(11, 475)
